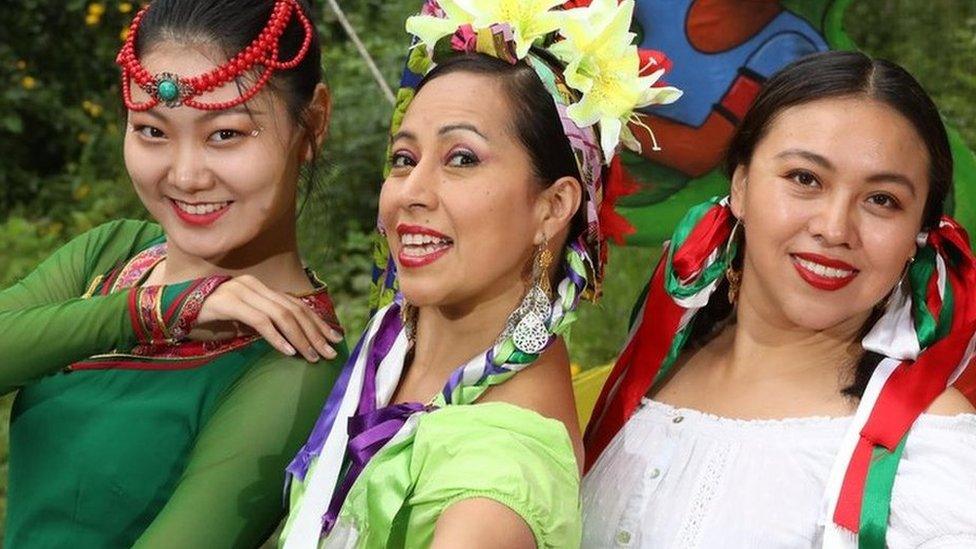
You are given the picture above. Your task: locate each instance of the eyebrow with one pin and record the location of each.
(407, 134)
(807, 155)
(892, 177)
(456, 127)
(210, 115)
(883, 177)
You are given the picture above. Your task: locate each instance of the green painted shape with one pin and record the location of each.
(656, 222)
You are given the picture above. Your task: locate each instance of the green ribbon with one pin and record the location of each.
(876, 503)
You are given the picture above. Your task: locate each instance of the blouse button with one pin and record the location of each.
(655, 472)
(623, 537)
(678, 419)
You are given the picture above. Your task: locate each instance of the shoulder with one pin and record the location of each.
(936, 481)
(545, 387)
(116, 241)
(501, 460)
(950, 403)
(128, 230)
(290, 382)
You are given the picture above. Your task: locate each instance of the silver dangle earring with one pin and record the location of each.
(527, 324)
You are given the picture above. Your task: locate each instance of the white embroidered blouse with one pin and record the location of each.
(678, 478)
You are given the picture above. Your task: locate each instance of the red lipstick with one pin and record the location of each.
(439, 244)
(815, 276)
(200, 220)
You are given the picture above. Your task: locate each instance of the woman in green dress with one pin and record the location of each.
(439, 433)
(165, 371)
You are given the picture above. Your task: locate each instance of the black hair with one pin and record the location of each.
(535, 120)
(231, 25)
(822, 76)
(848, 73)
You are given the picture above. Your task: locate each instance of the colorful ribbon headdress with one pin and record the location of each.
(926, 335)
(603, 80)
(173, 90)
(595, 95)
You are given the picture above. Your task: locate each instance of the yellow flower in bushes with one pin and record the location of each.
(28, 82)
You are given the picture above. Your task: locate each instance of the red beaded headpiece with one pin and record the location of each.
(173, 90)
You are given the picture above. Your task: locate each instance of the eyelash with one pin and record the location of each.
(796, 174)
(468, 155)
(893, 203)
(234, 133)
(400, 156)
(471, 158)
(153, 133)
(142, 128)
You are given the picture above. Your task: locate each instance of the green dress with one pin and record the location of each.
(159, 444)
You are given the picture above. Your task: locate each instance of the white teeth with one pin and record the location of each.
(201, 209)
(412, 239)
(822, 270)
(419, 245)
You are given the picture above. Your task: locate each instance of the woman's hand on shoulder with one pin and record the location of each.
(951, 403)
(246, 305)
(481, 523)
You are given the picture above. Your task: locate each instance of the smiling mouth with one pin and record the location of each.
(200, 213)
(823, 273)
(421, 246)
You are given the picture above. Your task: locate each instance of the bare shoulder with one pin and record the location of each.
(545, 387)
(950, 403)
(481, 522)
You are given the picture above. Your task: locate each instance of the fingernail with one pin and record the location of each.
(313, 356)
(289, 350)
(336, 334)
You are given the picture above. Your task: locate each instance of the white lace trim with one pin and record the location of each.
(711, 478)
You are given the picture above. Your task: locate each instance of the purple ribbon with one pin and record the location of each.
(371, 428)
(368, 433)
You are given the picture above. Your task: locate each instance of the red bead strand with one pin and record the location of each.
(263, 50)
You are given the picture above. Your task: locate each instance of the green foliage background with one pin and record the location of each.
(61, 128)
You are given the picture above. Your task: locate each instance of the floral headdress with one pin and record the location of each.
(599, 80)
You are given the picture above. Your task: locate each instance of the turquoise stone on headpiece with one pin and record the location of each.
(168, 89)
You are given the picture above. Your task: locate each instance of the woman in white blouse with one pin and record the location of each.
(786, 382)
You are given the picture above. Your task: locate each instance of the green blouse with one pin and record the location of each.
(160, 450)
(494, 450)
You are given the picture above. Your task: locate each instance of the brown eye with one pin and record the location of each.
(150, 132)
(804, 178)
(883, 200)
(462, 159)
(220, 136)
(401, 160)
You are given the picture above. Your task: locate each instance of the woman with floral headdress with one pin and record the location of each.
(453, 423)
(786, 382)
(157, 406)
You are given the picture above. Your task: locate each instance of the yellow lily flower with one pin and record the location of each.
(530, 20)
(604, 65)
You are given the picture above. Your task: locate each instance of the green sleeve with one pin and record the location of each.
(232, 491)
(500, 452)
(45, 324)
